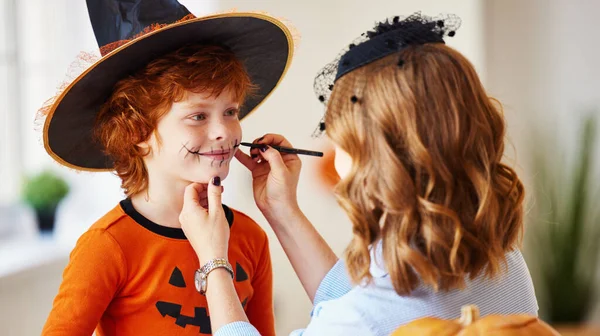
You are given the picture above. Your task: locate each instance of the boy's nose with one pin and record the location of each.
(218, 131)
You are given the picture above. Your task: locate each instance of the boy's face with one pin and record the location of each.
(197, 138)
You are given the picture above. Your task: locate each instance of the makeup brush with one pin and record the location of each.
(286, 150)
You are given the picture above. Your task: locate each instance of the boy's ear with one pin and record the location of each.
(147, 144)
(143, 145)
(153, 142)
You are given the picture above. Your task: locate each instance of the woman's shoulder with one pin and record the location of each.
(374, 308)
(382, 310)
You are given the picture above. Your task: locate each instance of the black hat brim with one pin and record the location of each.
(263, 44)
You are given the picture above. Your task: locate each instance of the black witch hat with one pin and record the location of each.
(130, 34)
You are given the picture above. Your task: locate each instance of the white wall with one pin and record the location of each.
(8, 117)
(542, 63)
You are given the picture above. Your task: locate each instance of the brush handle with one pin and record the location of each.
(286, 150)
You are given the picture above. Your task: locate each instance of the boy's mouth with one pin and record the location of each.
(218, 154)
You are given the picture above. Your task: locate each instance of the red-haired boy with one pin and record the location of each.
(162, 125)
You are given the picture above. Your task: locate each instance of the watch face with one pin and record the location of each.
(197, 280)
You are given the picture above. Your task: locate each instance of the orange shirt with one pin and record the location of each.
(130, 276)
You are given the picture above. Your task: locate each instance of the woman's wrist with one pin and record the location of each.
(220, 273)
(223, 302)
(288, 224)
(205, 258)
(279, 215)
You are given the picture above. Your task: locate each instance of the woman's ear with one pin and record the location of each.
(342, 162)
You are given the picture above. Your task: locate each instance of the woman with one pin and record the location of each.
(436, 216)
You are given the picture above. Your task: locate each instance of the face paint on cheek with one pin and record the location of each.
(231, 152)
(195, 152)
(188, 151)
(233, 147)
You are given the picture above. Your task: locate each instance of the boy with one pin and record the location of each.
(162, 110)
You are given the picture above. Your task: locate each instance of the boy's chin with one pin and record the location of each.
(206, 177)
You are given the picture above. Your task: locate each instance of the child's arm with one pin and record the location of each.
(95, 272)
(260, 308)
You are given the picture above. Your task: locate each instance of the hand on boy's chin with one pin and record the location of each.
(203, 173)
(202, 194)
(203, 197)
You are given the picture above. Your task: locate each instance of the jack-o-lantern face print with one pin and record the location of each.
(200, 318)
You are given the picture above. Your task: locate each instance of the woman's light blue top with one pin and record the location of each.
(376, 309)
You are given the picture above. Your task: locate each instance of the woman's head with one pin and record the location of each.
(426, 144)
(178, 116)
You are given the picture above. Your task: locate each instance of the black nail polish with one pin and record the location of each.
(254, 156)
(216, 181)
(264, 148)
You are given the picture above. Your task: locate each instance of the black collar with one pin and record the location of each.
(159, 229)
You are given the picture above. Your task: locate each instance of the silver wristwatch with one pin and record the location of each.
(202, 274)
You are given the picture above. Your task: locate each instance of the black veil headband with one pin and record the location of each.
(386, 38)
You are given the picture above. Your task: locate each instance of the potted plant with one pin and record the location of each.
(43, 192)
(565, 233)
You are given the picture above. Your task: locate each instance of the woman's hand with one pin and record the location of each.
(275, 180)
(205, 227)
(208, 231)
(274, 176)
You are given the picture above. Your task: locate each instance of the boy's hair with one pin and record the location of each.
(132, 112)
(427, 178)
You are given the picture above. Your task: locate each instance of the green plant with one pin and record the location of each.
(566, 229)
(44, 191)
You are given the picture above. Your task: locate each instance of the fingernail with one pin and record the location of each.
(260, 139)
(216, 181)
(263, 148)
(254, 156)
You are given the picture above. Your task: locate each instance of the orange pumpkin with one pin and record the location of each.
(470, 324)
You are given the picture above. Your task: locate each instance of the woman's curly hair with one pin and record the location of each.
(427, 178)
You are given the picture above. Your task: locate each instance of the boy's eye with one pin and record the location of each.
(232, 112)
(199, 117)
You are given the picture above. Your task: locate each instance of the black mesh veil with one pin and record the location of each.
(387, 37)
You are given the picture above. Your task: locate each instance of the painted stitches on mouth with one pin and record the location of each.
(219, 154)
